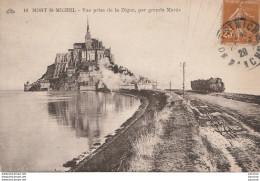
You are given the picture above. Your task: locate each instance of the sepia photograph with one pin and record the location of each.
(129, 86)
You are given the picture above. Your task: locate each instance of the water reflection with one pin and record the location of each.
(41, 131)
(87, 113)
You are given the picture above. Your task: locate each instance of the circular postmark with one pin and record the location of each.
(239, 42)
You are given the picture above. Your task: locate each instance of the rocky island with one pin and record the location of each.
(88, 66)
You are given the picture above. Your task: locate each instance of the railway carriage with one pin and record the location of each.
(207, 86)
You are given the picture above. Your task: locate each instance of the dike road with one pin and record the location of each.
(200, 133)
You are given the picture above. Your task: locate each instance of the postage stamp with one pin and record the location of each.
(239, 34)
(240, 22)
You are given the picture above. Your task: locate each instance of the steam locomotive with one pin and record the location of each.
(207, 86)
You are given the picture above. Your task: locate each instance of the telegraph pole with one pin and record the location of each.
(184, 64)
(170, 85)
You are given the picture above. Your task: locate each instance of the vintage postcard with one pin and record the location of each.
(129, 86)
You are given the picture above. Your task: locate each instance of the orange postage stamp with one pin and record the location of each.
(240, 22)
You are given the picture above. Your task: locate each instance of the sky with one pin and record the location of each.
(151, 44)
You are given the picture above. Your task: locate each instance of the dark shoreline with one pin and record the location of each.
(115, 153)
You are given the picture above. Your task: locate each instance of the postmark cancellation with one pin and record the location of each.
(239, 33)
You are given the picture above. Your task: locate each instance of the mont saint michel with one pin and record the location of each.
(124, 91)
(88, 66)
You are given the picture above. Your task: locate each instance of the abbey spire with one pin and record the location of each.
(88, 36)
(87, 25)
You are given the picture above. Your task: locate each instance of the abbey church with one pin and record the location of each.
(91, 50)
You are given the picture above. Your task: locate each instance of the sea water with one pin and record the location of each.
(40, 131)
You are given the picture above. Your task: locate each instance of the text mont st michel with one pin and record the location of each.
(101, 10)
